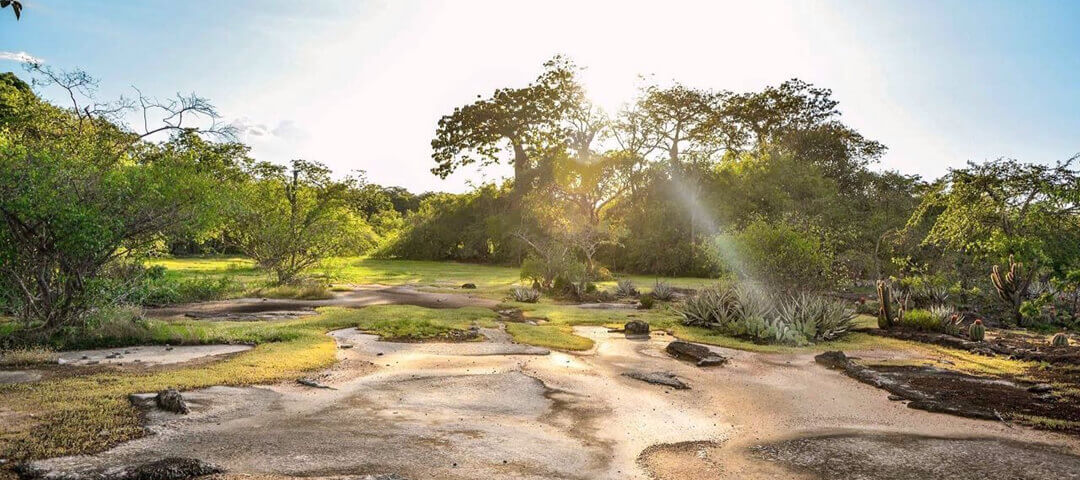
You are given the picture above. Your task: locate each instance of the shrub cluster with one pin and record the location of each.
(746, 311)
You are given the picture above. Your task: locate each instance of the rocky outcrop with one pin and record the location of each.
(699, 354)
(171, 401)
(172, 468)
(658, 378)
(636, 327)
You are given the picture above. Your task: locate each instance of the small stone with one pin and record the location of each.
(693, 352)
(345, 346)
(658, 378)
(469, 286)
(896, 398)
(170, 400)
(1040, 388)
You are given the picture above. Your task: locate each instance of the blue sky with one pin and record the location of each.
(361, 84)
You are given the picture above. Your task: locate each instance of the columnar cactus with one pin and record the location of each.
(885, 314)
(1059, 340)
(977, 331)
(1012, 285)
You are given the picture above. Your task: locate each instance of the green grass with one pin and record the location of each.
(91, 413)
(551, 336)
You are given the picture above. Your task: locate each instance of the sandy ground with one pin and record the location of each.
(361, 296)
(498, 410)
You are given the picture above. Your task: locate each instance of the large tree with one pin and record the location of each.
(528, 120)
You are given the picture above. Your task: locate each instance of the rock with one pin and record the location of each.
(171, 401)
(636, 327)
(833, 359)
(345, 346)
(693, 352)
(1040, 388)
(468, 286)
(658, 378)
(307, 382)
(171, 468)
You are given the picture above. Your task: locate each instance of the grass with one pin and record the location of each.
(551, 336)
(85, 414)
(27, 356)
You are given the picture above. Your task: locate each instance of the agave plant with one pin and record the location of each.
(625, 288)
(662, 291)
(710, 307)
(949, 321)
(524, 294)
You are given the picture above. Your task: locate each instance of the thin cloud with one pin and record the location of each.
(20, 57)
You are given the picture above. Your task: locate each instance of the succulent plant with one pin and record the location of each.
(662, 291)
(1012, 285)
(525, 295)
(977, 331)
(1059, 340)
(625, 288)
(885, 314)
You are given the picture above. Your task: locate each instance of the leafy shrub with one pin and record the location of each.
(625, 288)
(525, 295)
(166, 291)
(781, 256)
(305, 290)
(662, 291)
(920, 320)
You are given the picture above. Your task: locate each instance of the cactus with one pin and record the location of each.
(885, 315)
(977, 331)
(1059, 340)
(1012, 286)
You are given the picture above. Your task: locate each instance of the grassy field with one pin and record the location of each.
(492, 281)
(90, 413)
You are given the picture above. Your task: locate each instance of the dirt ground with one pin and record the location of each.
(498, 410)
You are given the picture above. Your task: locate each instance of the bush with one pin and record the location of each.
(525, 295)
(783, 257)
(920, 320)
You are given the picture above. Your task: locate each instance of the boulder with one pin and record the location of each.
(636, 327)
(171, 401)
(699, 354)
(469, 286)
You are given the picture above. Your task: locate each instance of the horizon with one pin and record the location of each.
(939, 83)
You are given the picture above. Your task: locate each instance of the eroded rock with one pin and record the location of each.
(666, 379)
(699, 354)
(171, 468)
(636, 327)
(171, 401)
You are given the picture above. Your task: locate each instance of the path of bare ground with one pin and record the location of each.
(361, 296)
(475, 410)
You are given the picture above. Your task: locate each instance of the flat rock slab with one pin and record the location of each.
(699, 354)
(865, 456)
(170, 468)
(659, 378)
(498, 343)
(150, 354)
(19, 376)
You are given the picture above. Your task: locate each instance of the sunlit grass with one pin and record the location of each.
(551, 336)
(85, 414)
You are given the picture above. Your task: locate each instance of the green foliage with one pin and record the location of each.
(662, 291)
(524, 295)
(747, 311)
(781, 256)
(290, 219)
(625, 288)
(646, 301)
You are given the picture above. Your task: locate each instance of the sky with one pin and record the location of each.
(360, 85)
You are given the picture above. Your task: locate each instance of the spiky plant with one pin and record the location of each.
(1059, 340)
(1012, 286)
(525, 295)
(625, 288)
(977, 331)
(710, 307)
(885, 314)
(662, 291)
(949, 322)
